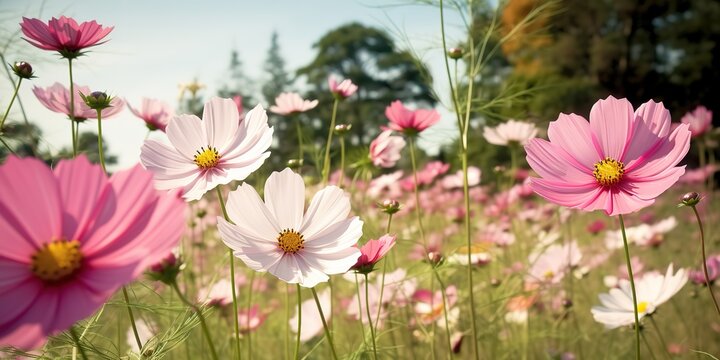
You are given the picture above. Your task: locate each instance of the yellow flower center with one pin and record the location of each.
(57, 260)
(608, 172)
(549, 275)
(290, 241)
(642, 307)
(207, 158)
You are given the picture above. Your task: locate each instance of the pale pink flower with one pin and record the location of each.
(387, 186)
(210, 152)
(512, 131)
(63, 35)
(250, 319)
(219, 294)
(278, 236)
(73, 240)
(373, 251)
(57, 98)
(155, 113)
(429, 306)
(455, 181)
(343, 90)
(408, 121)
(311, 324)
(553, 263)
(699, 121)
(288, 103)
(619, 162)
(698, 176)
(713, 267)
(385, 149)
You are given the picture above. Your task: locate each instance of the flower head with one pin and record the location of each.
(64, 35)
(75, 238)
(343, 90)
(408, 121)
(57, 98)
(652, 290)
(288, 103)
(279, 237)
(512, 131)
(373, 251)
(699, 120)
(23, 70)
(250, 319)
(209, 152)
(155, 113)
(385, 149)
(618, 162)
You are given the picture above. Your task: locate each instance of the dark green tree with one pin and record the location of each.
(279, 79)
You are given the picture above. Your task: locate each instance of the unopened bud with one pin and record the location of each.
(342, 129)
(97, 100)
(23, 70)
(455, 53)
(690, 199)
(295, 163)
(167, 270)
(389, 206)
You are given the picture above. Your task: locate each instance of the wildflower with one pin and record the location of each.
(389, 206)
(373, 251)
(343, 90)
(209, 152)
(64, 35)
(713, 267)
(250, 319)
(57, 98)
(699, 121)
(71, 238)
(429, 306)
(653, 290)
(553, 263)
(480, 254)
(279, 237)
(455, 181)
(219, 294)
(155, 113)
(618, 162)
(23, 70)
(385, 149)
(512, 131)
(410, 122)
(289, 103)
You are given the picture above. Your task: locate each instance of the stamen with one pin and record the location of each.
(290, 241)
(609, 172)
(207, 158)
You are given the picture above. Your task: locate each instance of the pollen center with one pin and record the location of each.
(642, 307)
(57, 260)
(608, 172)
(207, 158)
(290, 241)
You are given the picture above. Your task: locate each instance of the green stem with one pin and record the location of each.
(72, 109)
(370, 323)
(247, 317)
(287, 321)
(232, 276)
(445, 311)
(434, 323)
(200, 316)
(704, 259)
(326, 162)
(299, 323)
(360, 314)
(132, 318)
(100, 141)
(342, 161)
(632, 287)
(647, 344)
(300, 137)
(660, 336)
(418, 214)
(322, 317)
(76, 340)
(12, 100)
(384, 272)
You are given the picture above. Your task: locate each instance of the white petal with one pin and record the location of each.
(186, 134)
(249, 213)
(329, 206)
(338, 236)
(285, 197)
(220, 118)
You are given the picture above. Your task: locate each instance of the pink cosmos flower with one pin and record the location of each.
(209, 152)
(699, 120)
(64, 35)
(373, 251)
(57, 98)
(618, 162)
(385, 149)
(509, 132)
(429, 306)
(155, 113)
(386, 186)
(278, 236)
(455, 181)
(713, 267)
(343, 90)
(288, 103)
(70, 237)
(250, 319)
(553, 263)
(699, 175)
(408, 121)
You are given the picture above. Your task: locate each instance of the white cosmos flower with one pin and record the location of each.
(510, 131)
(206, 153)
(652, 290)
(278, 236)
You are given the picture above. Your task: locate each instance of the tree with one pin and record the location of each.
(274, 66)
(88, 145)
(237, 83)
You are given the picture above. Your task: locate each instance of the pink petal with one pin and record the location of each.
(652, 125)
(551, 161)
(572, 133)
(220, 119)
(611, 121)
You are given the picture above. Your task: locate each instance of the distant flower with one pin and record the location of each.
(69, 244)
(429, 306)
(480, 254)
(311, 324)
(386, 186)
(250, 319)
(145, 332)
(64, 35)
(642, 235)
(219, 294)
(373, 251)
(512, 131)
(596, 227)
(278, 236)
(553, 263)
(713, 267)
(619, 162)
(699, 175)
(343, 90)
(652, 290)
(518, 307)
(455, 181)
(210, 152)
(385, 149)
(398, 293)
(410, 122)
(699, 121)
(57, 98)
(238, 100)
(155, 113)
(288, 103)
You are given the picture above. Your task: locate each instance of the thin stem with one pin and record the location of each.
(200, 316)
(12, 100)
(370, 323)
(287, 321)
(247, 317)
(445, 311)
(300, 137)
(76, 340)
(327, 330)
(384, 272)
(360, 314)
(232, 276)
(704, 259)
(7, 146)
(342, 161)
(632, 287)
(647, 344)
(132, 318)
(100, 140)
(418, 214)
(72, 108)
(434, 323)
(660, 336)
(326, 162)
(299, 323)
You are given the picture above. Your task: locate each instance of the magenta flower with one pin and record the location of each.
(698, 120)
(155, 113)
(64, 35)
(408, 121)
(385, 149)
(618, 162)
(57, 98)
(70, 237)
(373, 251)
(343, 90)
(289, 103)
(713, 267)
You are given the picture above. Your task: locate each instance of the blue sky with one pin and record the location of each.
(160, 43)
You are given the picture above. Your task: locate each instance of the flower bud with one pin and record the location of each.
(455, 53)
(97, 100)
(23, 70)
(167, 270)
(690, 199)
(295, 163)
(389, 206)
(342, 129)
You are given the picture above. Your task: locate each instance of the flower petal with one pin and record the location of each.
(610, 121)
(285, 197)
